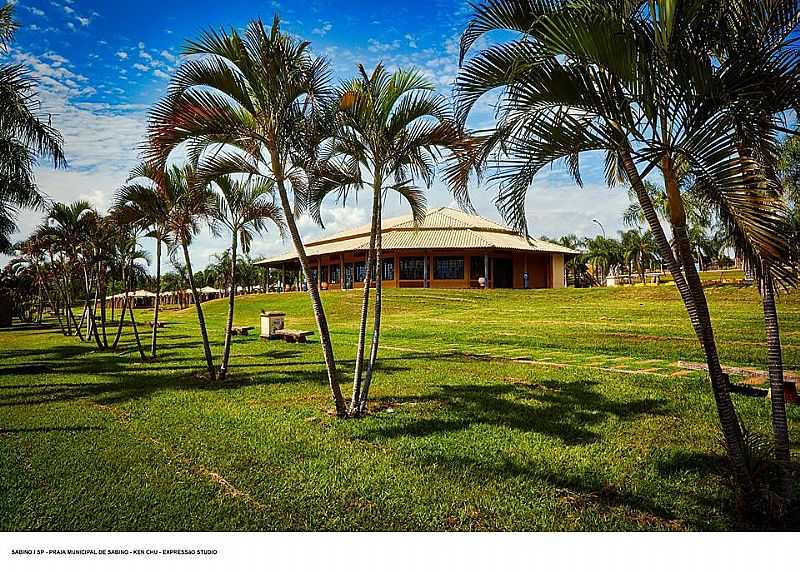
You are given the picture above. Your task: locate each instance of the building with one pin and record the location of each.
(450, 249)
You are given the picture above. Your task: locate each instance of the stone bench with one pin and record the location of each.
(241, 330)
(294, 336)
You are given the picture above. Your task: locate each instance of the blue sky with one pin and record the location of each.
(102, 64)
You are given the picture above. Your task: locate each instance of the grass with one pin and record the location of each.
(504, 410)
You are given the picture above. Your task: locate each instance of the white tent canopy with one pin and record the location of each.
(136, 294)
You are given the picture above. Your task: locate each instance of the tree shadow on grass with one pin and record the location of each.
(133, 386)
(571, 413)
(583, 491)
(566, 411)
(29, 327)
(129, 378)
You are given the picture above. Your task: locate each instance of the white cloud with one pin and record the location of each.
(35, 11)
(412, 42)
(160, 74)
(84, 21)
(68, 10)
(101, 141)
(144, 55)
(376, 46)
(56, 59)
(122, 55)
(141, 67)
(167, 55)
(322, 29)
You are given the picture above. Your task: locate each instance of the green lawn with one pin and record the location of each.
(510, 410)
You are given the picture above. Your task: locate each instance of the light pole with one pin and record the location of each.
(597, 222)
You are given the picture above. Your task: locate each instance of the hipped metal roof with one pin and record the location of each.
(443, 228)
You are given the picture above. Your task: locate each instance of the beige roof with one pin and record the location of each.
(443, 228)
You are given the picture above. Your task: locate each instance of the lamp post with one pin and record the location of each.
(597, 222)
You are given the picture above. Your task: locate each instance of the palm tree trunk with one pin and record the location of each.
(313, 292)
(93, 323)
(729, 420)
(136, 333)
(778, 388)
(101, 294)
(355, 401)
(124, 307)
(68, 286)
(87, 315)
(57, 310)
(50, 301)
(158, 296)
(694, 299)
(200, 318)
(39, 304)
(376, 328)
(664, 248)
(226, 352)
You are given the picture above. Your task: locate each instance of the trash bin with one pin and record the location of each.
(270, 322)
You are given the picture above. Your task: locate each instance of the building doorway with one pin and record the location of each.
(503, 273)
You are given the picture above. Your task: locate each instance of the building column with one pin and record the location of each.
(425, 271)
(283, 277)
(486, 270)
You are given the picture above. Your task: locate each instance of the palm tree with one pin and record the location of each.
(639, 251)
(393, 128)
(243, 208)
(24, 136)
(145, 200)
(67, 225)
(128, 260)
(177, 281)
(696, 207)
(570, 241)
(756, 44)
(636, 82)
(193, 204)
(252, 99)
(605, 254)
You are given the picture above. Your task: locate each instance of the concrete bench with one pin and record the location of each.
(241, 330)
(294, 336)
(160, 324)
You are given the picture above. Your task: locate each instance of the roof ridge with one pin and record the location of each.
(486, 219)
(485, 242)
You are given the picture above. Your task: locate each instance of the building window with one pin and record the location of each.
(476, 270)
(359, 271)
(449, 268)
(412, 268)
(314, 275)
(388, 269)
(323, 274)
(335, 273)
